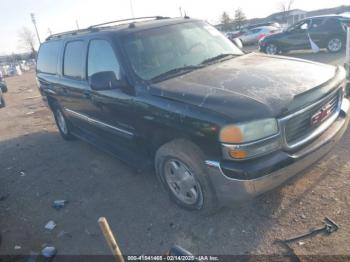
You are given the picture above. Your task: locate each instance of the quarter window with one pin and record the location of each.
(73, 59)
(102, 58)
(48, 56)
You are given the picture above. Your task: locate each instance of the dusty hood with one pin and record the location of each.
(250, 86)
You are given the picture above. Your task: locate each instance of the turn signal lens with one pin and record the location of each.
(231, 134)
(238, 154)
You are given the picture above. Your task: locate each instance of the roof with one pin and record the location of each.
(286, 12)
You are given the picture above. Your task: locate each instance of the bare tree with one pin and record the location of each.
(225, 18)
(27, 40)
(285, 7)
(239, 18)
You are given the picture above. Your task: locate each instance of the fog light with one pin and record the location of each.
(238, 154)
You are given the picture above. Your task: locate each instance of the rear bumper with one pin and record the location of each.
(230, 190)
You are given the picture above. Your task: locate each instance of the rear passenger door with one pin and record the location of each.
(317, 31)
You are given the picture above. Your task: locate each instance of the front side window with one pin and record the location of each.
(102, 58)
(156, 51)
(74, 59)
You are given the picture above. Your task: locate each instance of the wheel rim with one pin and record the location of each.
(61, 122)
(335, 44)
(271, 49)
(182, 182)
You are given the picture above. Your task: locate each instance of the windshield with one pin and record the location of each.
(157, 51)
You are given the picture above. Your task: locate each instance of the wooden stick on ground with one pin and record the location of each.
(110, 239)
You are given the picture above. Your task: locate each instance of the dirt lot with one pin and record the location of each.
(38, 167)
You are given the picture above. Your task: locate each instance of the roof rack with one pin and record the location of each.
(129, 19)
(95, 27)
(73, 32)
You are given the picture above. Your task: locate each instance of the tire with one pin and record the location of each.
(272, 49)
(182, 158)
(63, 125)
(2, 102)
(335, 44)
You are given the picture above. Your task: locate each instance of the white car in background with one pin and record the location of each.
(253, 36)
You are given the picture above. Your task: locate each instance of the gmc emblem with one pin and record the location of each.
(321, 115)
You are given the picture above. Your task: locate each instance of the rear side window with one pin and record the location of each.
(102, 58)
(74, 59)
(48, 56)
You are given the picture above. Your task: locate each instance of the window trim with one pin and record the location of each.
(82, 77)
(87, 56)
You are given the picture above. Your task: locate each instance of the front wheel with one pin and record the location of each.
(271, 49)
(335, 44)
(62, 124)
(180, 168)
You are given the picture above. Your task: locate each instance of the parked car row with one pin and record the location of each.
(217, 125)
(252, 36)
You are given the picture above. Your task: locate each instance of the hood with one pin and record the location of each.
(274, 35)
(248, 87)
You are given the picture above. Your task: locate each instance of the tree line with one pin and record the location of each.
(238, 19)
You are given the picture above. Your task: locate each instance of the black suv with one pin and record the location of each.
(325, 31)
(176, 95)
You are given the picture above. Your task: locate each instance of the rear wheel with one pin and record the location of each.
(271, 49)
(180, 168)
(62, 124)
(335, 44)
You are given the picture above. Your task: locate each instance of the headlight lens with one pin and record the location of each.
(250, 131)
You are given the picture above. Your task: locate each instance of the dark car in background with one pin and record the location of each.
(175, 95)
(325, 31)
(3, 89)
(3, 85)
(2, 100)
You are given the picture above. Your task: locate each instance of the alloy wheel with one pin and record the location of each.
(271, 49)
(335, 44)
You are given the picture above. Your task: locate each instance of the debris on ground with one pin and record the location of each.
(50, 225)
(4, 197)
(49, 251)
(63, 233)
(17, 247)
(30, 113)
(32, 97)
(58, 204)
(22, 173)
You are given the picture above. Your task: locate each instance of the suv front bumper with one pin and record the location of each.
(231, 190)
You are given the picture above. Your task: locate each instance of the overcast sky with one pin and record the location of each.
(62, 15)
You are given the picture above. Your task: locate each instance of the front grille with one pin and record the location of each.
(301, 126)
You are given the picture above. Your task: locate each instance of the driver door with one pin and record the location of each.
(297, 37)
(113, 119)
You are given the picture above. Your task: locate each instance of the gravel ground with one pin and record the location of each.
(37, 167)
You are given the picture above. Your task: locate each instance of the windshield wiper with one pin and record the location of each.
(216, 58)
(175, 71)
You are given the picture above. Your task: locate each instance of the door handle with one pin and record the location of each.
(87, 94)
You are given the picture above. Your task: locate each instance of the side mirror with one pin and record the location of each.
(238, 43)
(304, 27)
(104, 81)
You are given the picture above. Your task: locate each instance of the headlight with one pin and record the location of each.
(250, 131)
(251, 139)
